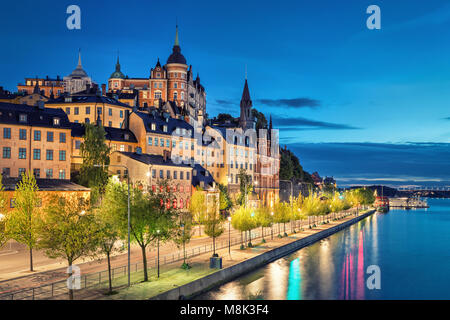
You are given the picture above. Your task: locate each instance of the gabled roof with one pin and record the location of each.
(112, 134)
(201, 176)
(153, 159)
(38, 117)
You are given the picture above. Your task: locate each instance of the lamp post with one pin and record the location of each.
(229, 236)
(291, 198)
(129, 215)
(157, 231)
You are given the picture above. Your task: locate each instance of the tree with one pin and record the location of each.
(197, 207)
(245, 186)
(184, 234)
(152, 218)
(244, 220)
(108, 219)
(261, 121)
(282, 215)
(68, 230)
(264, 219)
(213, 222)
(225, 200)
(95, 154)
(24, 219)
(3, 215)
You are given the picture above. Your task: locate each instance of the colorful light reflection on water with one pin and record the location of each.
(412, 249)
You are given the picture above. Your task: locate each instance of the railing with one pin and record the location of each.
(59, 288)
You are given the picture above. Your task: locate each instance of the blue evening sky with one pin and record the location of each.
(329, 82)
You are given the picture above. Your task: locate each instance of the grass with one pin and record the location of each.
(169, 279)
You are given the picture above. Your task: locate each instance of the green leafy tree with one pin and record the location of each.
(245, 187)
(261, 121)
(197, 207)
(213, 221)
(24, 219)
(225, 200)
(95, 154)
(68, 231)
(3, 215)
(264, 218)
(282, 214)
(184, 234)
(245, 220)
(109, 219)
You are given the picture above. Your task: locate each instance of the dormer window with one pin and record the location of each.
(69, 99)
(22, 118)
(56, 121)
(127, 136)
(165, 128)
(153, 126)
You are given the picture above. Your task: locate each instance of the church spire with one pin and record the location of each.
(246, 120)
(79, 57)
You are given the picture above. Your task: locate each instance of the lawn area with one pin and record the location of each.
(169, 279)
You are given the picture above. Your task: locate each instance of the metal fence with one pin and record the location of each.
(91, 280)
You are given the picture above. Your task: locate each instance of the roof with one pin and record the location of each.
(117, 74)
(153, 159)
(46, 185)
(38, 117)
(87, 98)
(160, 121)
(201, 176)
(112, 134)
(176, 56)
(79, 71)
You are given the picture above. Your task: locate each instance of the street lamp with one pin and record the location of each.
(229, 236)
(129, 215)
(157, 231)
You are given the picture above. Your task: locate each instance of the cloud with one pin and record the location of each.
(293, 103)
(411, 163)
(223, 102)
(301, 123)
(448, 118)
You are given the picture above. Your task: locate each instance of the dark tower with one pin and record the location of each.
(246, 120)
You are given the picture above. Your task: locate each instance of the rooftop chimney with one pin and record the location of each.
(103, 89)
(166, 154)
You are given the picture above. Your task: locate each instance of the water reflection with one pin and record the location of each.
(404, 245)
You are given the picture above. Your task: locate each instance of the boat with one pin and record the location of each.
(381, 202)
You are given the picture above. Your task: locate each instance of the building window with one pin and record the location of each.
(182, 95)
(161, 174)
(37, 173)
(21, 171)
(188, 176)
(150, 141)
(87, 120)
(175, 95)
(156, 142)
(109, 123)
(168, 174)
(22, 134)
(175, 85)
(175, 173)
(76, 111)
(6, 133)
(62, 138)
(22, 153)
(153, 126)
(36, 154)
(49, 155)
(122, 147)
(168, 143)
(62, 174)
(62, 155)
(88, 110)
(37, 135)
(6, 153)
(23, 118)
(181, 175)
(153, 174)
(77, 144)
(161, 142)
(121, 113)
(49, 173)
(68, 111)
(110, 111)
(174, 144)
(49, 136)
(99, 110)
(56, 121)
(165, 128)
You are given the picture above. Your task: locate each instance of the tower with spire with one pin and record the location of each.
(78, 80)
(246, 119)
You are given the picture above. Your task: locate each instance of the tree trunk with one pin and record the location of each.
(31, 259)
(262, 232)
(144, 260)
(184, 252)
(214, 246)
(70, 288)
(108, 255)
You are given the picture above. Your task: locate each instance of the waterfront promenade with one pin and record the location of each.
(173, 276)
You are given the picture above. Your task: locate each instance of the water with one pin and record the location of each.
(411, 248)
